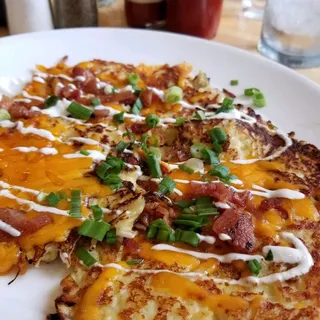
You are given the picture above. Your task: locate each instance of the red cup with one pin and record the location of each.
(194, 17)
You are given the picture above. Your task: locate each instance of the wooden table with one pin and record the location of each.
(235, 29)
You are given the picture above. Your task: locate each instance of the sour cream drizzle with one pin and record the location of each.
(208, 239)
(9, 229)
(46, 151)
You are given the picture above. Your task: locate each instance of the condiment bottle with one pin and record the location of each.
(145, 13)
(194, 17)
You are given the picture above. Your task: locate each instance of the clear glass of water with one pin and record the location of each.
(291, 32)
(253, 9)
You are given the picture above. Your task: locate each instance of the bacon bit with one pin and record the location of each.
(131, 246)
(139, 128)
(100, 114)
(125, 97)
(274, 203)
(129, 158)
(5, 103)
(19, 111)
(229, 94)
(70, 94)
(148, 97)
(17, 220)
(239, 227)
(90, 84)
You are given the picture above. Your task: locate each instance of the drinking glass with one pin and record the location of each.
(291, 32)
(253, 9)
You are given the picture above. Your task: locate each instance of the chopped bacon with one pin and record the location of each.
(239, 227)
(70, 93)
(100, 114)
(17, 220)
(131, 246)
(156, 208)
(148, 97)
(19, 111)
(229, 94)
(129, 158)
(125, 97)
(139, 128)
(274, 203)
(220, 192)
(5, 102)
(90, 84)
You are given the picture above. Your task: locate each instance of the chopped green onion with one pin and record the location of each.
(203, 201)
(131, 136)
(95, 102)
(111, 236)
(161, 231)
(234, 82)
(156, 152)
(258, 100)
(208, 212)
(185, 168)
(134, 261)
(121, 146)
(188, 223)
(220, 171)
(79, 111)
(167, 185)
(269, 256)
(97, 212)
(62, 195)
(188, 237)
(84, 255)
(4, 115)
(162, 235)
(218, 135)
(52, 199)
(251, 91)
(180, 121)
(227, 106)
(94, 229)
(41, 196)
(189, 216)
(254, 266)
(119, 117)
(75, 211)
(217, 148)
(137, 106)
(191, 210)
(196, 150)
(84, 152)
(152, 231)
(133, 78)
(184, 203)
(152, 120)
(144, 139)
(51, 101)
(113, 181)
(174, 94)
(111, 165)
(210, 156)
(200, 115)
(154, 165)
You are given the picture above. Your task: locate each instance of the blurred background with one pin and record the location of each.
(286, 31)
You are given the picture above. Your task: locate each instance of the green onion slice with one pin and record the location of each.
(196, 150)
(200, 115)
(234, 82)
(75, 211)
(227, 106)
(188, 237)
(185, 168)
(174, 94)
(119, 117)
(184, 203)
(259, 100)
(254, 266)
(111, 236)
(84, 255)
(94, 229)
(210, 156)
(51, 101)
(134, 261)
(180, 121)
(269, 256)
(113, 181)
(79, 111)
(152, 120)
(133, 78)
(167, 185)
(121, 146)
(52, 199)
(137, 107)
(154, 165)
(95, 102)
(130, 135)
(220, 171)
(4, 115)
(251, 91)
(218, 135)
(84, 152)
(97, 212)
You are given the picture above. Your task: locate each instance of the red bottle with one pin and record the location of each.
(145, 13)
(194, 17)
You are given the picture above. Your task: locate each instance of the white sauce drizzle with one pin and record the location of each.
(46, 151)
(32, 130)
(6, 185)
(85, 140)
(23, 100)
(9, 229)
(38, 79)
(27, 95)
(208, 239)
(224, 237)
(33, 206)
(80, 78)
(1, 149)
(7, 124)
(222, 205)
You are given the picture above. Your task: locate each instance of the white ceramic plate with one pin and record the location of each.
(293, 105)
